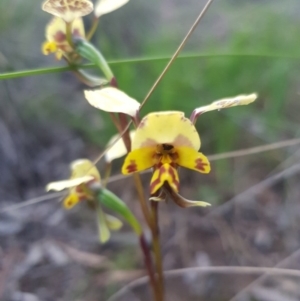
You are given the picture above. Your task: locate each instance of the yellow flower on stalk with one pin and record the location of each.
(164, 141)
(83, 172)
(56, 38)
(83, 175)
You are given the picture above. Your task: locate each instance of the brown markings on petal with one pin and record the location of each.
(173, 174)
(200, 165)
(59, 37)
(148, 143)
(181, 140)
(81, 7)
(132, 167)
(157, 180)
(76, 32)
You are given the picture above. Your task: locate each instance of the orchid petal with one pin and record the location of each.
(170, 127)
(71, 200)
(68, 10)
(224, 103)
(166, 173)
(106, 6)
(103, 230)
(112, 100)
(183, 202)
(113, 223)
(138, 160)
(118, 149)
(84, 167)
(189, 158)
(65, 184)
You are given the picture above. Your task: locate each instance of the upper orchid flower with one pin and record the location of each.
(56, 38)
(165, 141)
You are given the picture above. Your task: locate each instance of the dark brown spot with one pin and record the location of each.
(167, 147)
(132, 167)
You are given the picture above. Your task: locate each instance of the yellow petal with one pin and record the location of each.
(112, 100)
(189, 158)
(224, 103)
(118, 149)
(183, 202)
(65, 184)
(113, 223)
(138, 160)
(71, 200)
(84, 167)
(106, 6)
(68, 10)
(169, 127)
(49, 47)
(166, 173)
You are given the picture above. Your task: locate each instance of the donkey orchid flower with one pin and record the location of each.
(84, 174)
(164, 141)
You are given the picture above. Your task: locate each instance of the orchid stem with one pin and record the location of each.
(69, 33)
(93, 28)
(157, 250)
(149, 266)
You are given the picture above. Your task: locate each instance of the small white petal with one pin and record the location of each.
(65, 184)
(118, 150)
(106, 6)
(112, 100)
(226, 103)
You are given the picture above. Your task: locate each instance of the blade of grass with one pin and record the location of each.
(49, 70)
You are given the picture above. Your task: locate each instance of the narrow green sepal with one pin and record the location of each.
(91, 53)
(103, 230)
(111, 201)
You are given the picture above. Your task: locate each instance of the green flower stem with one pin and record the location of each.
(157, 250)
(93, 28)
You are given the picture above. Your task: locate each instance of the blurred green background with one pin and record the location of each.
(239, 47)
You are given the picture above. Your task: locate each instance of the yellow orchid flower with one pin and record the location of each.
(56, 39)
(165, 141)
(83, 174)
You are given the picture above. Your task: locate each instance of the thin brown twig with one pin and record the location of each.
(205, 270)
(180, 47)
(278, 266)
